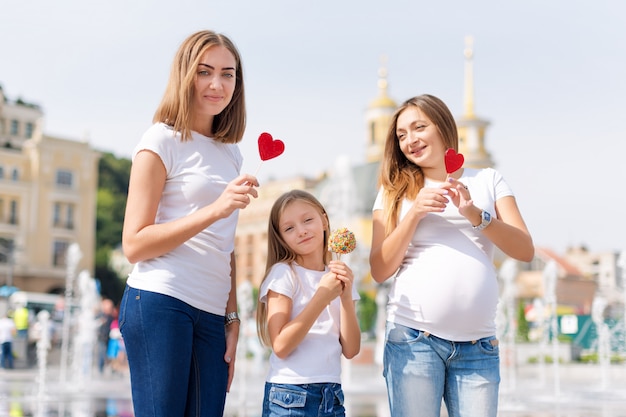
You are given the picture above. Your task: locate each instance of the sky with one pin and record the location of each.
(549, 76)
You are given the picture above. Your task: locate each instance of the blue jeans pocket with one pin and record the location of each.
(339, 399)
(287, 398)
(489, 346)
(401, 335)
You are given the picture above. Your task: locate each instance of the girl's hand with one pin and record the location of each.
(430, 200)
(236, 195)
(460, 196)
(344, 274)
(330, 286)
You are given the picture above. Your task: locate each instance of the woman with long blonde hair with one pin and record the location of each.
(434, 235)
(178, 315)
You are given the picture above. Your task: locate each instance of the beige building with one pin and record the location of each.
(348, 192)
(48, 190)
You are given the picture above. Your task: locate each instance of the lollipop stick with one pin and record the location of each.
(255, 172)
(257, 169)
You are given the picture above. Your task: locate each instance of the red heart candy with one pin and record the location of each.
(453, 160)
(269, 147)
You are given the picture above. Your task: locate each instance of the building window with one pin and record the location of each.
(1, 172)
(29, 130)
(6, 250)
(60, 253)
(15, 174)
(70, 217)
(56, 215)
(64, 178)
(15, 126)
(58, 211)
(13, 212)
(2, 214)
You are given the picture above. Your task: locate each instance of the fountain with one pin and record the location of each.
(506, 322)
(525, 389)
(250, 354)
(73, 256)
(551, 329)
(621, 265)
(43, 347)
(87, 327)
(66, 388)
(603, 340)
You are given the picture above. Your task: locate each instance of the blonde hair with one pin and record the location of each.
(175, 108)
(399, 177)
(279, 251)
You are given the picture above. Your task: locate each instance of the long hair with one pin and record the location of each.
(175, 108)
(399, 177)
(279, 251)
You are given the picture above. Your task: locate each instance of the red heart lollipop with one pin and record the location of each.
(269, 147)
(453, 160)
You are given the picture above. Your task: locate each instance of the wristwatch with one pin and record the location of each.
(485, 220)
(231, 318)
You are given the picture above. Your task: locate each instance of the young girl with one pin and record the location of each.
(306, 312)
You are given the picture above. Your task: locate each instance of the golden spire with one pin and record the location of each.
(383, 100)
(469, 77)
(382, 76)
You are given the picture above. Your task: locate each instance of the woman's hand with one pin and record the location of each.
(430, 200)
(232, 336)
(236, 195)
(460, 196)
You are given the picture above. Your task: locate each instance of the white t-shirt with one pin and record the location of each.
(317, 359)
(197, 172)
(7, 328)
(447, 284)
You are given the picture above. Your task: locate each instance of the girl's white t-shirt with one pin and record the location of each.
(447, 284)
(317, 358)
(197, 172)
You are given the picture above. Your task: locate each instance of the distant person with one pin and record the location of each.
(7, 331)
(434, 236)
(21, 317)
(178, 316)
(306, 312)
(105, 317)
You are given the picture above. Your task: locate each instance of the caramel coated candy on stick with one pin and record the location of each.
(341, 241)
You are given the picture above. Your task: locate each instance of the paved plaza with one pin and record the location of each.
(526, 391)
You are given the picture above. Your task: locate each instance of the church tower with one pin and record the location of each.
(472, 128)
(378, 117)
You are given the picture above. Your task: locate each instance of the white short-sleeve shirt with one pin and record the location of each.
(447, 284)
(197, 172)
(317, 358)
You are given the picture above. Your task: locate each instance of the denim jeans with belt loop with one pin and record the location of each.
(421, 370)
(303, 400)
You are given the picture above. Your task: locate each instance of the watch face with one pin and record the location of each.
(486, 216)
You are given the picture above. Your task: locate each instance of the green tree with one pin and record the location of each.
(113, 177)
(366, 312)
(522, 323)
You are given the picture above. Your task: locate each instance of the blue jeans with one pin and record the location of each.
(175, 356)
(421, 370)
(6, 359)
(303, 400)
